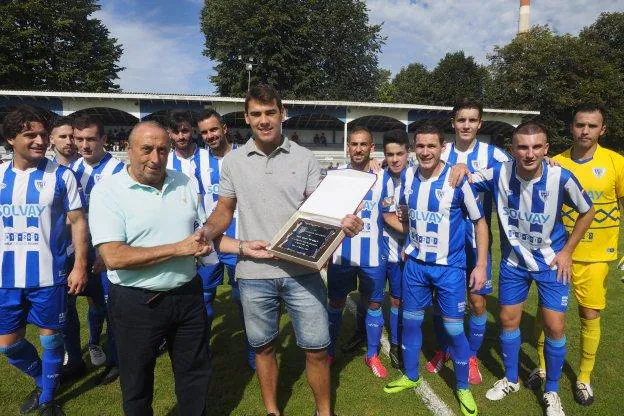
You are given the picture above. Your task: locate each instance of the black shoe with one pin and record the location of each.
(73, 372)
(355, 343)
(396, 358)
(51, 409)
(31, 403)
(111, 373)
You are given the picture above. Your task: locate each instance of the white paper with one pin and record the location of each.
(339, 193)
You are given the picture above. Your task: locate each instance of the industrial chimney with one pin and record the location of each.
(523, 23)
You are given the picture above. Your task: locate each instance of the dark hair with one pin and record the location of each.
(178, 117)
(61, 121)
(210, 113)
(264, 94)
(467, 103)
(589, 108)
(85, 121)
(18, 120)
(398, 136)
(430, 128)
(359, 129)
(530, 127)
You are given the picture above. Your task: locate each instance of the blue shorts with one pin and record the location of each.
(305, 298)
(514, 284)
(394, 274)
(342, 280)
(421, 279)
(471, 261)
(45, 307)
(212, 275)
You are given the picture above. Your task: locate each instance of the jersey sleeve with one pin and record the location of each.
(575, 196)
(483, 180)
(387, 195)
(73, 195)
(619, 176)
(500, 155)
(314, 175)
(226, 184)
(110, 225)
(470, 201)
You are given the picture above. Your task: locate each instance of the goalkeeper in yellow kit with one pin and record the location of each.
(601, 173)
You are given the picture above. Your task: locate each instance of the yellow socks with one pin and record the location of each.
(590, 338)
(539, 346)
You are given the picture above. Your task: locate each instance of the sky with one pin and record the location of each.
(163, 44)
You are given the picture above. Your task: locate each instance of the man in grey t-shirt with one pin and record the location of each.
(267, 180)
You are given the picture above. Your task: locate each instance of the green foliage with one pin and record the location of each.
(54, 45)
(454, 77)
(311, 49)
(552, 73)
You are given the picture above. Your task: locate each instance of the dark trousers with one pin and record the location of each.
(141, 319)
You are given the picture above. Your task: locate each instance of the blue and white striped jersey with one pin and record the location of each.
(206, 167)
(529, 212)
(392, 240)
(436, 217)
(478, 157)
(90, 175)
(364, 249)
(34, 205)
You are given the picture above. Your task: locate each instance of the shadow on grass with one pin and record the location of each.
(231, 374)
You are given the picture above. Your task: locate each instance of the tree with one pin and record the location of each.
(314, 49)
(410, 85)
(542, 71)
(456, 76)
(54, 45)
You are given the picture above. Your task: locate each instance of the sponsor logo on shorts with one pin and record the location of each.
(564, 301)
(62, 317)
(461, 306)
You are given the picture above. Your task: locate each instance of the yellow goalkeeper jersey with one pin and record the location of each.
(602, 177)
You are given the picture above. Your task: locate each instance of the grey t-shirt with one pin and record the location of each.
(268, 190)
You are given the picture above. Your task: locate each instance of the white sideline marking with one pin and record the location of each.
(424, 391)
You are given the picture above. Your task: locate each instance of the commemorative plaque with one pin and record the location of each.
(313, 233)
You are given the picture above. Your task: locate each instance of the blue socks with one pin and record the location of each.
(476, 331)
(510, 346)
(440, 332)
(24, 357)
(394, 325)
(554, 353)
(460, 352)
(52, 361)
(412, 342)
(95, 318)
(334, 315)
(374, 326)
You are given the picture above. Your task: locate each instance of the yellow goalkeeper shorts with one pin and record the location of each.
(589, 281)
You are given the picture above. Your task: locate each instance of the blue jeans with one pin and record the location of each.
(305, 298)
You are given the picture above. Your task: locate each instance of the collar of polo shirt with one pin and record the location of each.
(130, 182)
(250, 146)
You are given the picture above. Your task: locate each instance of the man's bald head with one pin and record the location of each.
(151, 126)
(148, 148)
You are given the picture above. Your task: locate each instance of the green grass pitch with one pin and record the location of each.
(355, 391)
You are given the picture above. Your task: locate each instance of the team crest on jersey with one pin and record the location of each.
(543, 195)
(39, 185)
(599, 172)
(476, 165)
(439, 193)
(98, 177)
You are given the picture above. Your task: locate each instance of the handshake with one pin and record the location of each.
(197, 245)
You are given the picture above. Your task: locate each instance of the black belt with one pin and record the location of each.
(191, 287)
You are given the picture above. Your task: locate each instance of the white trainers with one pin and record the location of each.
(97, 355)
(583, 393)
(552, 403)
(501, 389)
